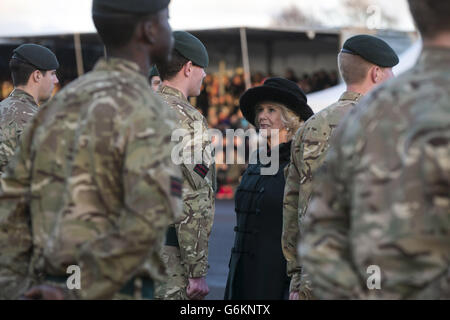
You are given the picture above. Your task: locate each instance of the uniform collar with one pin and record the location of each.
(118, 64)
(21, 94)
(172, 92)
(437, 58)
(349, 95)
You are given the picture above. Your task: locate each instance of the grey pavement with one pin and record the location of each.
(221, 242)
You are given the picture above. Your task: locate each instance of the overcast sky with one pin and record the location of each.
(24, 17)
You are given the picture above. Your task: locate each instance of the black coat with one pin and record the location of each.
(257, 265)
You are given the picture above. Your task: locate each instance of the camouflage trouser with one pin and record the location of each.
(175, 286)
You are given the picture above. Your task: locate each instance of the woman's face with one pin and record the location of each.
(268, 116)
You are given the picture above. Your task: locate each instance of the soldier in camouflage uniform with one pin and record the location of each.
(33, 71)
(380, 211)
(364, 62)
(154, 79)
(93, 177)
(186, 251)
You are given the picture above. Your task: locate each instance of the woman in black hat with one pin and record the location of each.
(257, 265)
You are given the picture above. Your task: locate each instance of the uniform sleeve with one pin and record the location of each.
(198, 207)
(313, 149)
(10, 135)
(434, 146)
(15, 228)
(152, 199)
(311, 146)
(290, 232)
(8, 145)
(324, 245)
(425, 233)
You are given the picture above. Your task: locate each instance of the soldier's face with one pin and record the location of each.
(155, 83)
(163, 43)
(47, 84)
(388, 74)
(198, 74)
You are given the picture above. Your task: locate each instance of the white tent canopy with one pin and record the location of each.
(50, 17)
(19, 18)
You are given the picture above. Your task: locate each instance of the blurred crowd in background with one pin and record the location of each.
(219, 103)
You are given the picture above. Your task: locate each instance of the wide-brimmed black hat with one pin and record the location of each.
(280, 90)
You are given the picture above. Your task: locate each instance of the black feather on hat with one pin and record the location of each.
(280, 90)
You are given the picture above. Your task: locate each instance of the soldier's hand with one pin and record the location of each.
(197, 288)
(293, 295)
(43, 292)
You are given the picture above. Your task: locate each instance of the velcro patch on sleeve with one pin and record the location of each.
(176, 187)
(201, 170)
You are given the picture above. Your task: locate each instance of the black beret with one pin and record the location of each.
(134, 7)
(191, 48)
(153, 72)
(283, 91)
(372, 49)
(36, 55)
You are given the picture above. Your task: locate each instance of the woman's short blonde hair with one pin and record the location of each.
(291, 121)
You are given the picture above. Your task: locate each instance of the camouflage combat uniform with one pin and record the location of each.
(308, 152)
(383, 197)
(16, 112)
(189, 259)
(95, 180)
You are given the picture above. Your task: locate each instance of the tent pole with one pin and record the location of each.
(269, 49)
(222, 73)
(245, 58)
(78, 54)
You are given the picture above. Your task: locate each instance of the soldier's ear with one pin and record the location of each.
(147, 31)
(187, 68)
(375, 74)
(35, 77)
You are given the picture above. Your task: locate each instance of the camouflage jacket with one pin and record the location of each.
(95, 181)
(16, 112)
(199, 184)
(308, 152)
(382, 200)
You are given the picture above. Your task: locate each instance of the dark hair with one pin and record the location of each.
(21, 72)
(430, 16)
(115, 31)
(170, 69)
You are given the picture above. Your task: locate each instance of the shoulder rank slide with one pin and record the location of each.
(175, 187)
(201, 170)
